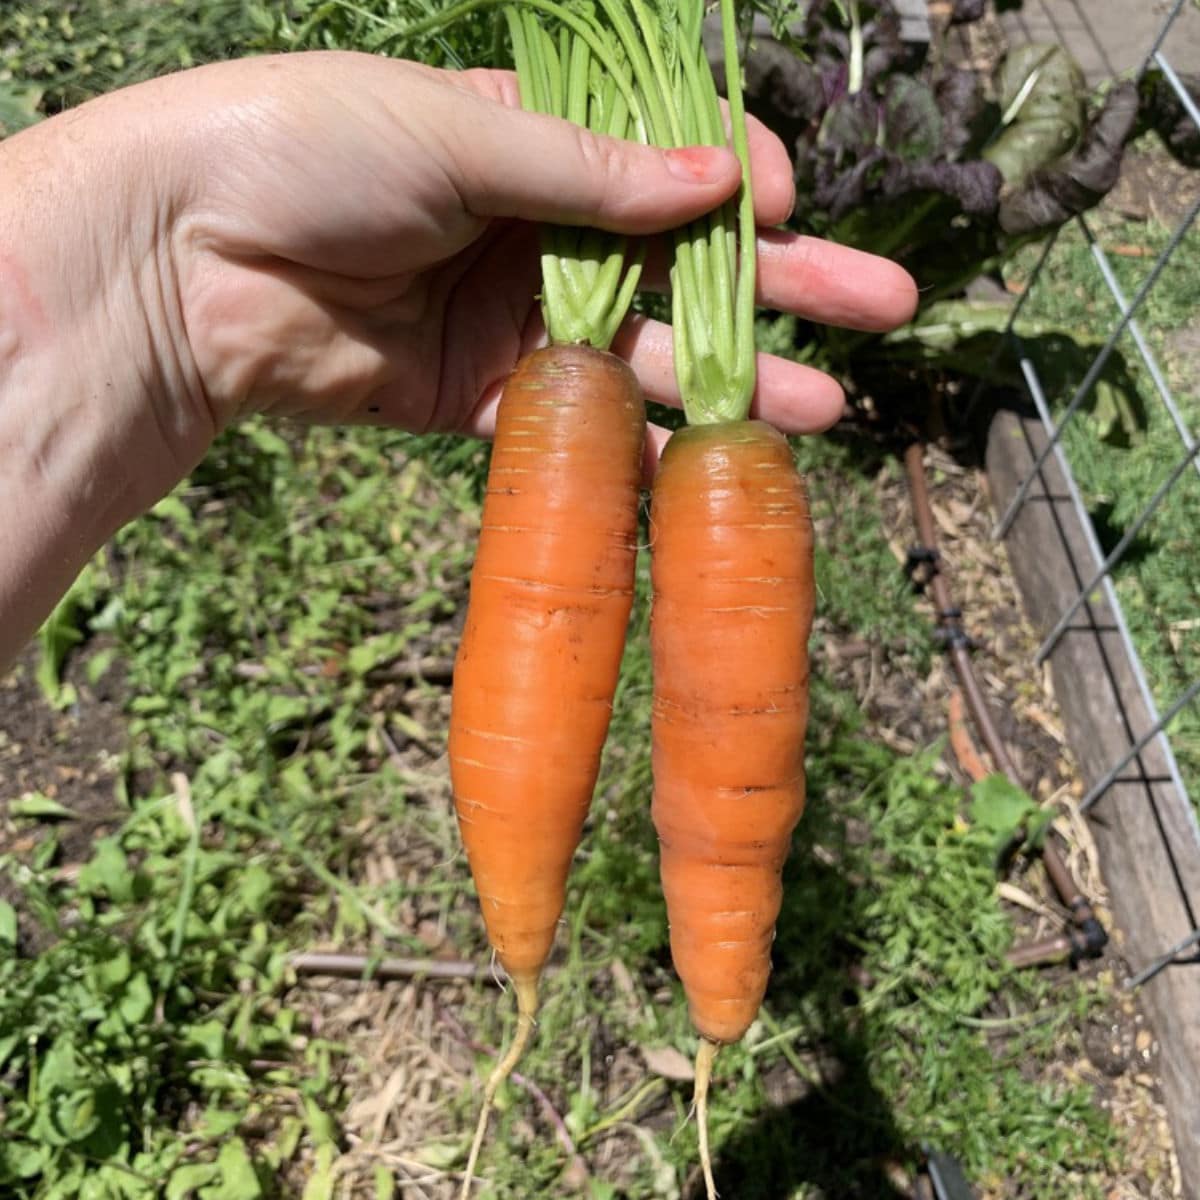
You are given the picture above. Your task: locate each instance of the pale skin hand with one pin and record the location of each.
(338, 237)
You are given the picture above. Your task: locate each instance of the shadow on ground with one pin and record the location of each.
(839, 1138)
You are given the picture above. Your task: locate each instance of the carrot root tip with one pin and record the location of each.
(704, 1064)
(526, 1009)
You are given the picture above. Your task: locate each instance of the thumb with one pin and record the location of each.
(510, 163)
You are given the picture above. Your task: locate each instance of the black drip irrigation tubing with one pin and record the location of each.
(1086, 938)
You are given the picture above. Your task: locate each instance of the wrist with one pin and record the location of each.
(96, 416)
(60, 497)
(91, 306)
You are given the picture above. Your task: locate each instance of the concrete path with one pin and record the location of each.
(1107, 37)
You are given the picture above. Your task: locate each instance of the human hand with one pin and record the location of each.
(375, 259)
(349, 238)
(339, 237)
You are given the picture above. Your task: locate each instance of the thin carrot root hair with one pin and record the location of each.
(527, 1003)
(704, 1063)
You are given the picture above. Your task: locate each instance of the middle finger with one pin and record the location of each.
(791, 396)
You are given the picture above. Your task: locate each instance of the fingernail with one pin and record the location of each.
(698, 164)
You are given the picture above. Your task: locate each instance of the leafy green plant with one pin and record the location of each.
(917, 162)
(1007, 813)
(18, 107)
(57, 635)
(65, 53)
(145, 988)
(970, 338)
(102, 1034)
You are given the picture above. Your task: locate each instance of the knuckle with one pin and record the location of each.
(607, 168)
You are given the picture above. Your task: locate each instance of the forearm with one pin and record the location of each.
(83, 447)
(59, 499)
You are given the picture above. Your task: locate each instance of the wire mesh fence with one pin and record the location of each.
(1150, 757)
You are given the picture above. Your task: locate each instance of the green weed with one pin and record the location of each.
(250, 610)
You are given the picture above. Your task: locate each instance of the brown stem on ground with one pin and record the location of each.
(357, 966)
(1042, 953)
(431, 669)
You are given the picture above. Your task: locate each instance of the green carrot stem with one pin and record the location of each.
(621, 66)
(746, 227)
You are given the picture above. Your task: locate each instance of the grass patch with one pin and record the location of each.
(891, 1020)
(59, 54)
(252, 612)
(317, 561)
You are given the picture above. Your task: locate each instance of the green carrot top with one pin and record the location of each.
(637, 68)
(712, 277)
(588, 277)
(662, 57)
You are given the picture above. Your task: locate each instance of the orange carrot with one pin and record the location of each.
(537, 665)
(733, 603)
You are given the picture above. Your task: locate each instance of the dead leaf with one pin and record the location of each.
(961, 512)
(669, 1063)
(575, 1178)
(947, 523)
(624, 981)
(1040, 717)
(1015, 895)
(183, 800)
(440, 1156)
